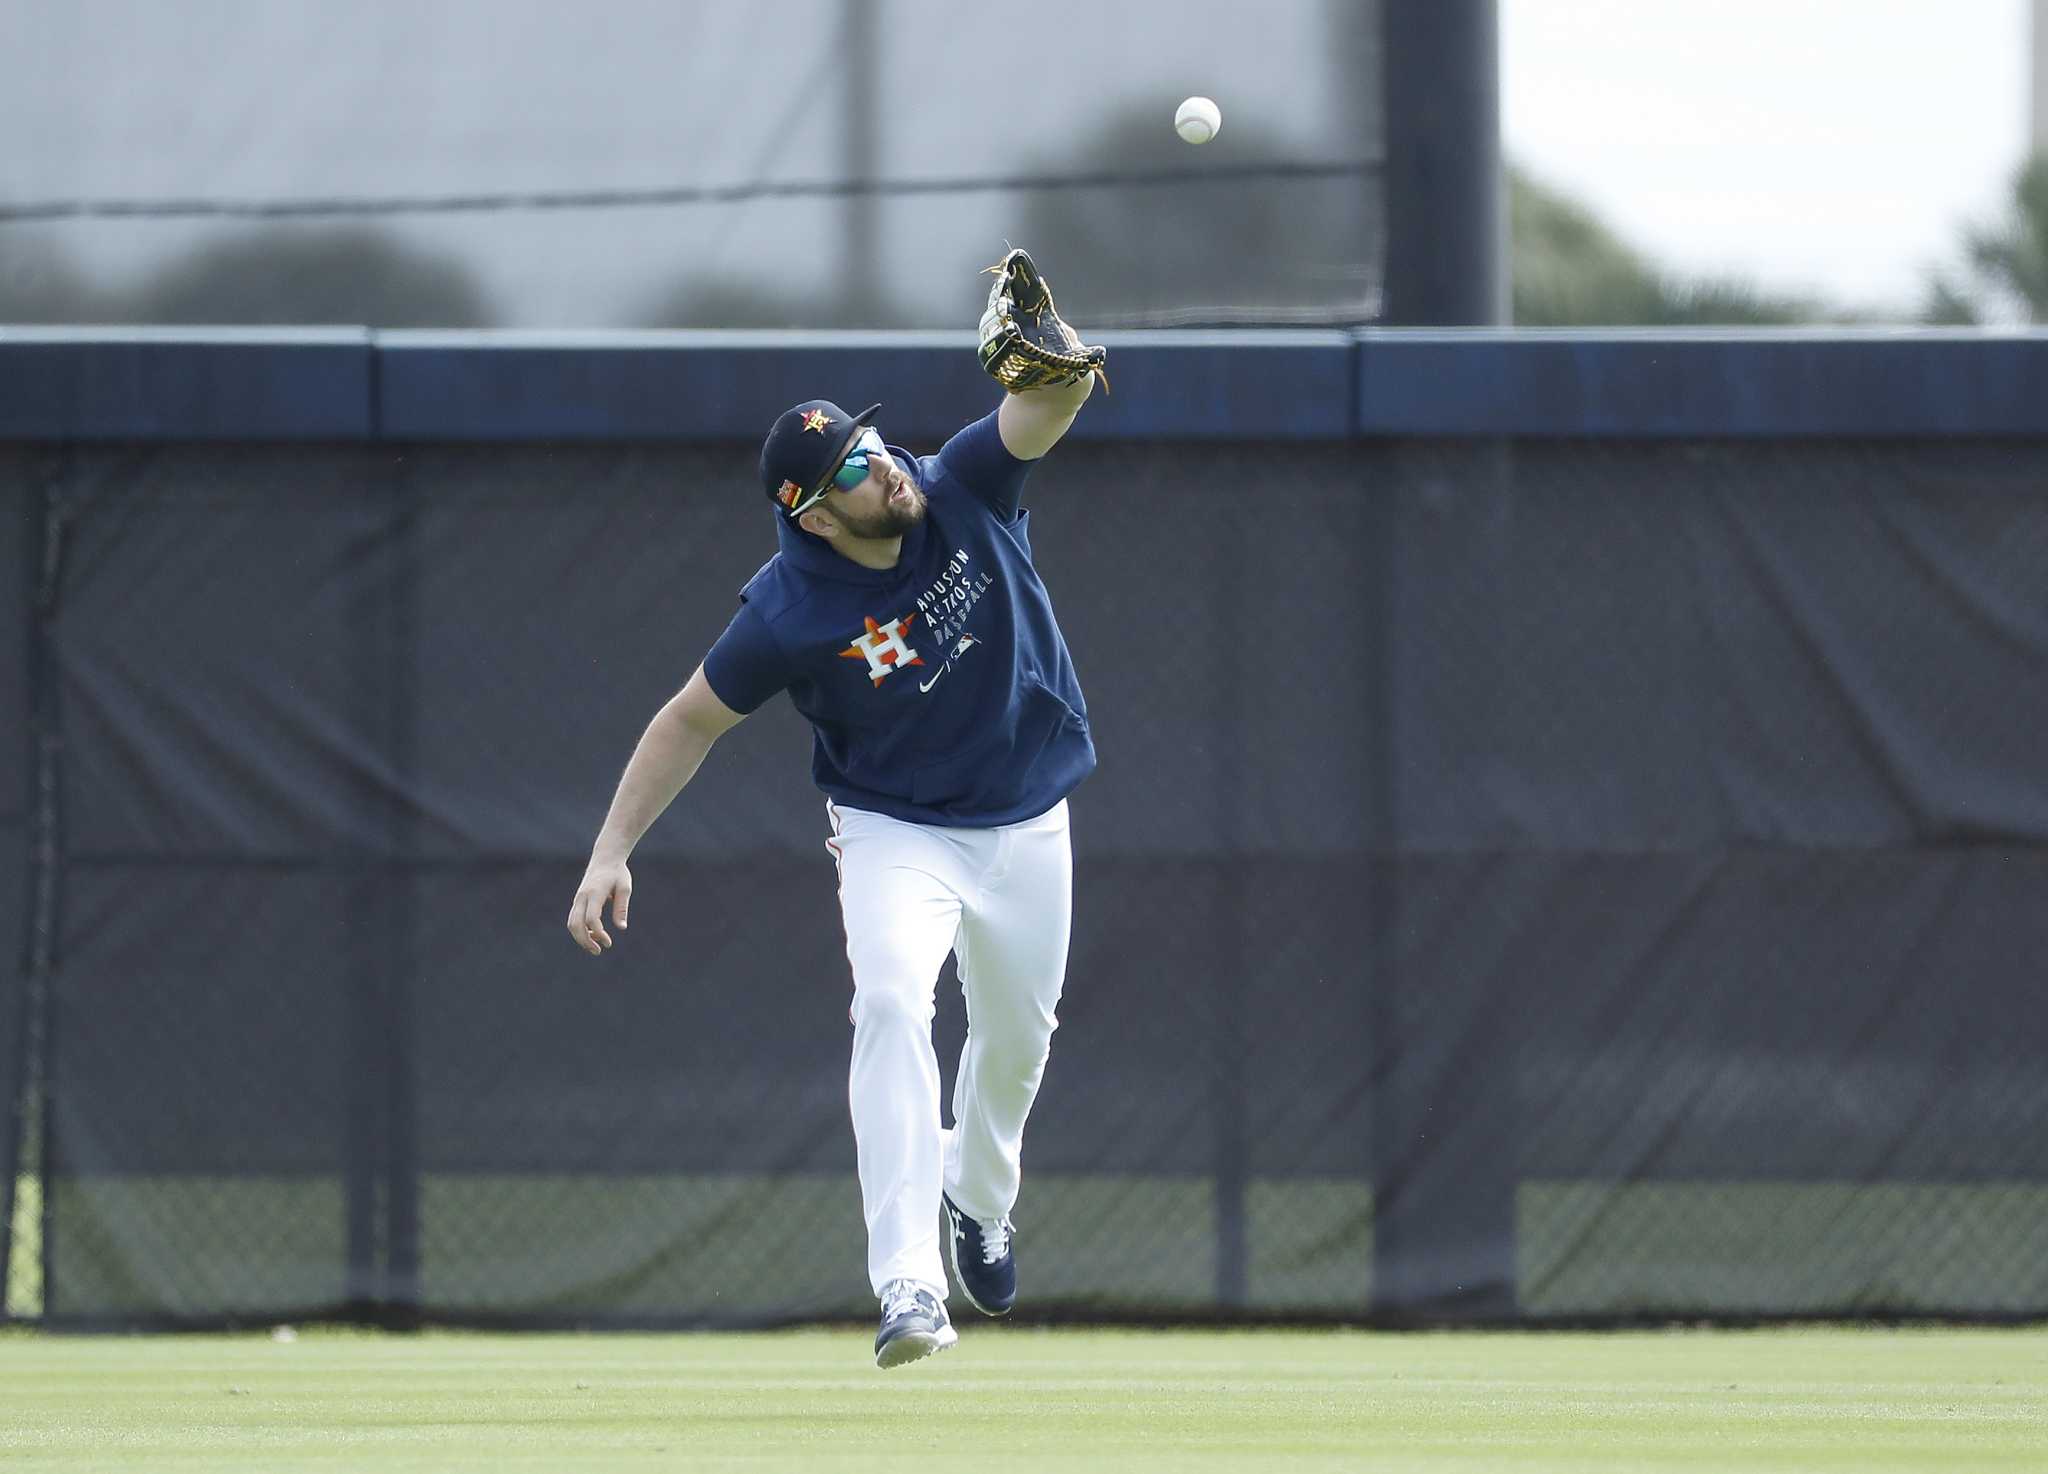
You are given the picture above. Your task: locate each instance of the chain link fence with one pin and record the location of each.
(1543, 880)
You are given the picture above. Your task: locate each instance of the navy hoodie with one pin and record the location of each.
(940, 690)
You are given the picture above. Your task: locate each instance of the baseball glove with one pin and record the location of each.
(1024, 345)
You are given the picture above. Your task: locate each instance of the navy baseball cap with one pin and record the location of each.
(804, 449)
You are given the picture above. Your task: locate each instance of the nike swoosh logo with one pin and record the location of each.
(966, 644)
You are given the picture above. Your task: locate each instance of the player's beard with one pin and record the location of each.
(891, 521)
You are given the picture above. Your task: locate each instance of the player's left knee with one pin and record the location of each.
(888, 1008)
(1013, 1055)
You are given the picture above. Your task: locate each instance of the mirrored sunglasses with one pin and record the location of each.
(854, 469)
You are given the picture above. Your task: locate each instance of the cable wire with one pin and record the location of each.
(40, 211)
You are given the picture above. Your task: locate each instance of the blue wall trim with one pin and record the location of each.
(185, 384)
(1706, 383)
(352, 384)
(707, 385)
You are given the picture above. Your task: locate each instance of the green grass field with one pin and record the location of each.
(1017, 1398)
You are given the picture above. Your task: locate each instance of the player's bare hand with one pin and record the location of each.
(603, 881)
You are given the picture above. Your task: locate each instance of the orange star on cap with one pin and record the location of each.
(817, 420)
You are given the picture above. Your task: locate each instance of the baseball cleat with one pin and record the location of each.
(914, 1325)
(984, 1259)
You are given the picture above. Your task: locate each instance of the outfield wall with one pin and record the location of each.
(1567, 845)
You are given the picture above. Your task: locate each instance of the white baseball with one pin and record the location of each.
(1197, 120)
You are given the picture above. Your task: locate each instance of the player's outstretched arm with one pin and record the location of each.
(665, 759)
(1032, 421)
(1031, 351)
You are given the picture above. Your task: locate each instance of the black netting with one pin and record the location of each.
(1543, 879)
(20, 1289)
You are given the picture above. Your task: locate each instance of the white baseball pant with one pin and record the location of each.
(1002, 900)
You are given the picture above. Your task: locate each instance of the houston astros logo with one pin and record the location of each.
(817, 420)
(883, 647)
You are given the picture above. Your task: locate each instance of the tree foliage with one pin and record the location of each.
(2004, 271)
(1174, 250)
(1571, 269)
(39, 285)
(280, 275)
(312, 275)
(1187, 250)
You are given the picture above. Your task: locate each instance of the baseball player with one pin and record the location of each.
(904, 617)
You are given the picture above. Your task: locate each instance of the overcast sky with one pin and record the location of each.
(1835, 146)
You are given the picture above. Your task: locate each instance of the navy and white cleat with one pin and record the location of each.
(914, 1324)
(984, 1260)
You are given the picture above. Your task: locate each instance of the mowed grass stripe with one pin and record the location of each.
(1014, 1398)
